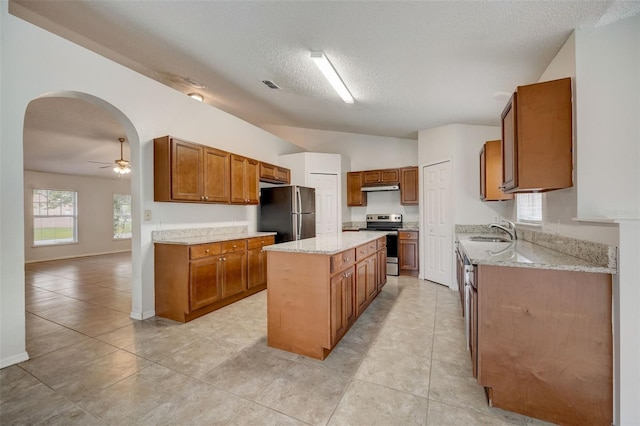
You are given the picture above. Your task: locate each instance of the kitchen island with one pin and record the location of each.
(317, 288)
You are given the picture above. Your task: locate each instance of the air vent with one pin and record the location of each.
(271, 85)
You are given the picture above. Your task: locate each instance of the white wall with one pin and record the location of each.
(95, 215)
(363, 152)
(608, 124)
(560, 207)
(36, 63)
(461, 144)
(366, 152)
(608, 159)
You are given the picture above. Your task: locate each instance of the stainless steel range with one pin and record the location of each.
(390, 223)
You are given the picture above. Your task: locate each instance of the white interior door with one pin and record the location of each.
(437, 223)
(326, 186)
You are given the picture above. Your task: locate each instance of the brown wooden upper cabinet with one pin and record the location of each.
(491, 172)
(355, 196)
(383, 177)
(244, 180)
(409, 186)
(189, 172)
(537, 138)
(274, 174)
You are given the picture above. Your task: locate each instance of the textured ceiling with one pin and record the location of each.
(409, 65)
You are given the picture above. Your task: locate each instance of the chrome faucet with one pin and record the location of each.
(511, 230)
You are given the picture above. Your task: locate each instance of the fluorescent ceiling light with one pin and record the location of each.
(197, 96)
(330, 74)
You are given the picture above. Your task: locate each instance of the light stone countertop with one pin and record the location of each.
(523, 254)
(327, 244)
(212, 238)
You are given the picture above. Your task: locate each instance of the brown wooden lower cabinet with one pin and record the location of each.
(544, 343)
(193, 280)
(315, 298)
(408, 260)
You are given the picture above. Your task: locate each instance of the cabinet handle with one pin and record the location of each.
(202, 197)
(235, 245)
(363, 251)
(207, 251)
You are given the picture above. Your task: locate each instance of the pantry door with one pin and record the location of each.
(326, 186)
(437, 223)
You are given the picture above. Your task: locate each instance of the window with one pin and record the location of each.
(121, 216)
(529, 207)
(55, 217)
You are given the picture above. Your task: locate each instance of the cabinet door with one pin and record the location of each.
(372, 282)
(342, 308)
(382, 269)
(251, 181)
(216, 176)
(361, 286)
(338, 319)
(234, 273)
(409, 186)
(408, 254)
(371, 176)
(349, 290)
(509, 146)
(491, 172)
(283, 175)
(186, 171)
(355, 196)
(238, 190)
(204, 286)
(257, 268)
(390, 176)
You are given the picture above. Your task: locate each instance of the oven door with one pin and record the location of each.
(392, 254)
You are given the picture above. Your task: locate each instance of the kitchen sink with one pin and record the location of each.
(488, 239)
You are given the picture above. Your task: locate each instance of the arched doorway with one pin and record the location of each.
(91, 127)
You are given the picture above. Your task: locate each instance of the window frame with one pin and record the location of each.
(526, 206)
(74, 216)
(129, 216)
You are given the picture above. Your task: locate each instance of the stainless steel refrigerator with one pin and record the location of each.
(289, 211)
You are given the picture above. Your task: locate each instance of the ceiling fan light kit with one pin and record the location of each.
(122, 166)
(332, 76)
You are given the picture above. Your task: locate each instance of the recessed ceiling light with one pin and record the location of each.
(501, 95)
(197, 96)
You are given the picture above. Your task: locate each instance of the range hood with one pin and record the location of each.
(381, 188)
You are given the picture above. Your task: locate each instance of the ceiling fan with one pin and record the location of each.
(122, 166)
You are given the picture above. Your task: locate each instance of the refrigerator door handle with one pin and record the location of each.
(298, 210)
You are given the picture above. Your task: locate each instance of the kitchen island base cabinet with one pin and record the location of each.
(313, 299)
(545, 343)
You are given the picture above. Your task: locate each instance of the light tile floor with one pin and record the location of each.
(404, 361)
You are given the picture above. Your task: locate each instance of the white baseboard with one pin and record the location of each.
(6, 362)
(142, 316)
(77, 256)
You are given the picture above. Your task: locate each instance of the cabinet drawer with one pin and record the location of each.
(234, 245)
(381, 243)
(259, 242)
(408, 235)
(364, 250)
(204, 250)
(342, 260)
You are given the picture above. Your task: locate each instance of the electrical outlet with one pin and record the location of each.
(147, 215)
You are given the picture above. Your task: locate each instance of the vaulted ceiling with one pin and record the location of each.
(409, 65)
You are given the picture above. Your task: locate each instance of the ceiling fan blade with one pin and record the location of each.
(105, 167)
(98, 162)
